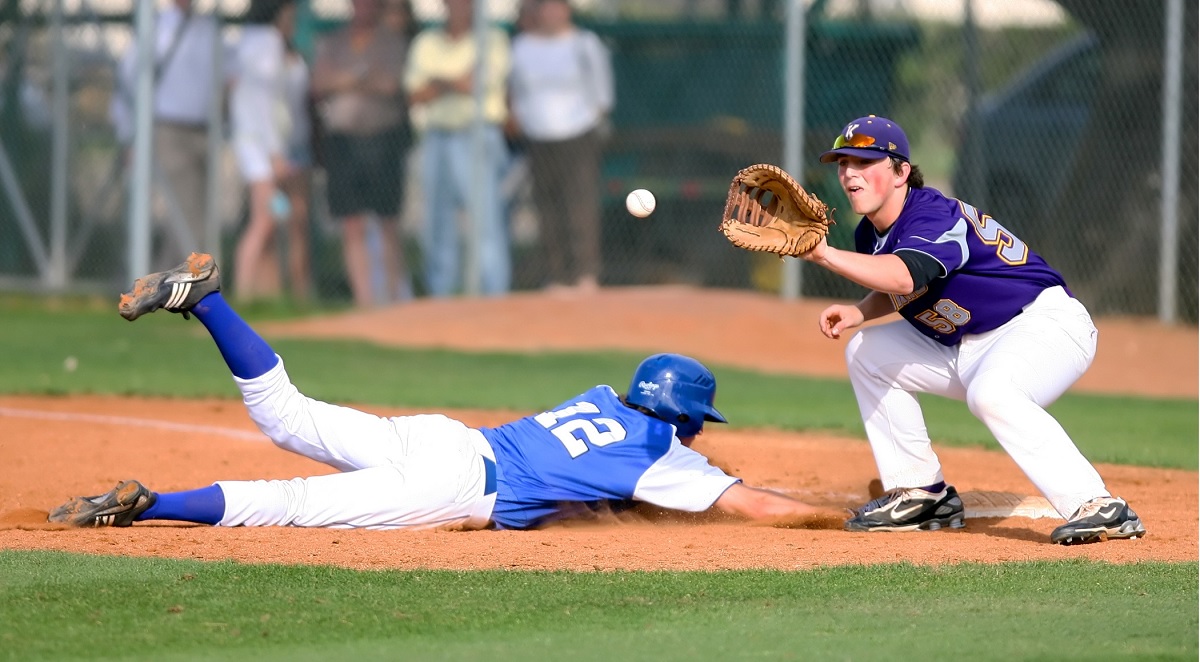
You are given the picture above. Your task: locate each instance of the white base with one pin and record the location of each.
(1006, 504)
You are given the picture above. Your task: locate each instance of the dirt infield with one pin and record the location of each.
(52, 448)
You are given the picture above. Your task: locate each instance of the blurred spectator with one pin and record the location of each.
(300, 153)
(526, 19)
(516, 187)
(441, 84)
(398, 17)
(184, 85)
(357, 83)
(561, 95)
(271, 132)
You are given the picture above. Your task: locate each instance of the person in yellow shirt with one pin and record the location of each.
(440, 81)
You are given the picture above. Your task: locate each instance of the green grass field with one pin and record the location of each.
(147, 358)
(57, 606)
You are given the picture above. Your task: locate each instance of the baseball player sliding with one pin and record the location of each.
(985, 320)
(597, 449)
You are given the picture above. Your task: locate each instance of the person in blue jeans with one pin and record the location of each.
(464, 155)
(595, 451)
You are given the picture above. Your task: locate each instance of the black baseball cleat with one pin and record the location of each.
(910, 509)
(119, 507)
(175, 290)
(1098, 520)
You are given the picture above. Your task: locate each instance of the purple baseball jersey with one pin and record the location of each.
(988, 274)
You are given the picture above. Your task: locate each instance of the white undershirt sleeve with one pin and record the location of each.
(682, 479)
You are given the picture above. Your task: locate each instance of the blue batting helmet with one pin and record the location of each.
(678, 389)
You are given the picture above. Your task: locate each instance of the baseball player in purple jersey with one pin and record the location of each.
(985, 320)
(595, 450)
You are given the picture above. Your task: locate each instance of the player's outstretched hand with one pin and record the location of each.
(838, 318)
(817, 254)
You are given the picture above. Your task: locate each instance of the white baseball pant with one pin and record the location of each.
(1007, 376)
(417, 472)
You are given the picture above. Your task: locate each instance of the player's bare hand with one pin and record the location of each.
(817, 254)
(839, 318)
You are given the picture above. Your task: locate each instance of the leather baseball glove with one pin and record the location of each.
(791, 221)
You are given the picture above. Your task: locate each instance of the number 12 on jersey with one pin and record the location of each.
(577, 433)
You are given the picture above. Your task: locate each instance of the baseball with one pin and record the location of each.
(640, 203)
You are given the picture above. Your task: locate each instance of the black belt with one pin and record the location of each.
(489, 475)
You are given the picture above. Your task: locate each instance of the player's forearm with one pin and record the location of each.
(761, 505)
(774, 507)
(875, 305)
(882, 273)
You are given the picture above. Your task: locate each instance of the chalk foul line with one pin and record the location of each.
(130, 421)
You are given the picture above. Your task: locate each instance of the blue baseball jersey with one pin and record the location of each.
(988, 274)
(593, 451)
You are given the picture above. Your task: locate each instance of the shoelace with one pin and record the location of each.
(1091, 507)
(890, 496)
(884, 499)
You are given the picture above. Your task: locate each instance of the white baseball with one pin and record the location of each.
(640, 203)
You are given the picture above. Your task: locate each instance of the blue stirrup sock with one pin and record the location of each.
(203, 506)
(936, 488)
(245, 352)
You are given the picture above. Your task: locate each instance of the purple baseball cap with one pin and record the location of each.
(869, 137)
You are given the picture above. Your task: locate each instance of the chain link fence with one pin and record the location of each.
(1053, 116)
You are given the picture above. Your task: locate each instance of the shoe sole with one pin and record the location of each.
(952, 522)
(1128, 531)
(198, 265)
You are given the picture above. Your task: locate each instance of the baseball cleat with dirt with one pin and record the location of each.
(176, 290)
(118, 507)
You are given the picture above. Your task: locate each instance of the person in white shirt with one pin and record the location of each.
(184, 84)
(561, 91)
(271, 139)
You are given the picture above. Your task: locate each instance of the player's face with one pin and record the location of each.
(868, 183)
